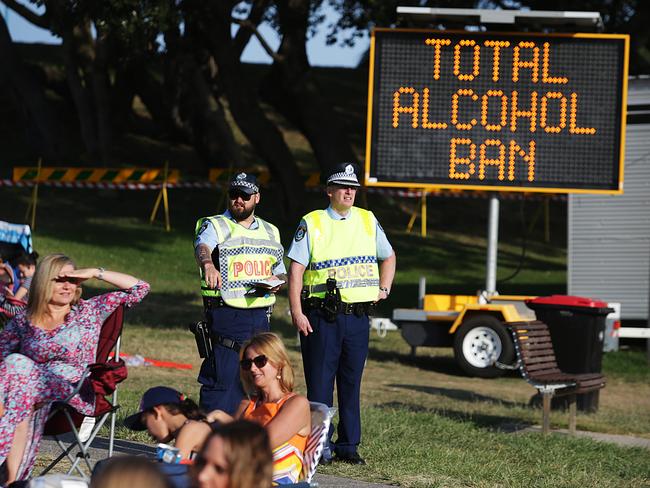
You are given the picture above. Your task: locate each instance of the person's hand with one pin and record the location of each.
(276, 288)
(301, 322)
(2, 409)
(383, 295)
(81, 274)
(218, 416)
(212, 276)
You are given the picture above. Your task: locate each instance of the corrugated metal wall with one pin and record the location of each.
(609, 235)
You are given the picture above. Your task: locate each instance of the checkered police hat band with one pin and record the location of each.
(244, 184)
(343, 177)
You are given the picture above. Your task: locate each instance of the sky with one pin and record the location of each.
(320, 54)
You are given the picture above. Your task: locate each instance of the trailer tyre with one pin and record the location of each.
(478, 342)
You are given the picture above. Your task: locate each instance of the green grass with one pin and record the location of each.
(425, 423)
(631, 365)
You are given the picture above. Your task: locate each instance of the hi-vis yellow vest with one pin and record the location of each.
(345, 250)
(245, 257)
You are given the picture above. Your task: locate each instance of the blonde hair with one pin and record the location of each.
(272, 347)
(40, 292)
(247, 450)
(129, 471)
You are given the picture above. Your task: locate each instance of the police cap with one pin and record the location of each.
(344, 174)
(245, 182)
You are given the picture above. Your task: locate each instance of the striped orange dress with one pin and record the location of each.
(287, 458)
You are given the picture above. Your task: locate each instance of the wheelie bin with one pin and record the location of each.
(577, 327)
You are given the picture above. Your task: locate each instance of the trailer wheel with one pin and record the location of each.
(478, 342)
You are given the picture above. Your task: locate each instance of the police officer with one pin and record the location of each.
(240, 258)
(335, 277)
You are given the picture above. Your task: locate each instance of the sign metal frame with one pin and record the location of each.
(371, 181)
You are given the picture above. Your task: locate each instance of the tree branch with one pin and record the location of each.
(254, 17)
(246, 24)
(28, 14)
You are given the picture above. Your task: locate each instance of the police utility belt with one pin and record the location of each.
(331, 304)
(205, 338)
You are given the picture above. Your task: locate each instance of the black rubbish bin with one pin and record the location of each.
(577, 327)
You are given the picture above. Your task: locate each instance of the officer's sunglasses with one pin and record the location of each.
(260, 361)
(234, 195)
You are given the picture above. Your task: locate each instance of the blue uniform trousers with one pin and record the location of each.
(219, 376)
(337, 351)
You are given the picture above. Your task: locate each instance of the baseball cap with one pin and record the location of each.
(344, 174)
(158, 395)
(245, 182)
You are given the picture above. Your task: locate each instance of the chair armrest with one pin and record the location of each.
(77, 389)
(510, 367)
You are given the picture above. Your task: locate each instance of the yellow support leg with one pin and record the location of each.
(155, 207)
(168, 226)
(162, 197)
(423, 213)
(31, 208)
(409, 226)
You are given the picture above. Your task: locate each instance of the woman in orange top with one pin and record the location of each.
(267, 376)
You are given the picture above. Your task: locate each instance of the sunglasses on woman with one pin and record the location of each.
(259, 361)
(68, 279)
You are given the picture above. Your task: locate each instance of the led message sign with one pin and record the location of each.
(497, 111)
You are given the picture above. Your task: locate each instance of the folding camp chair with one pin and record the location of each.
(321, 418)
(103, 375)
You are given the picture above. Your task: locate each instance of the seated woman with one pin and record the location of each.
(168, 415)
(267, 376)
(236, 455)
(44, 351)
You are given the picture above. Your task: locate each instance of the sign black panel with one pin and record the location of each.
(497, 111)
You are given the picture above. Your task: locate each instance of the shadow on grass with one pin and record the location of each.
(158, 309)
(457, 394)
(439, 364)
(496, 423)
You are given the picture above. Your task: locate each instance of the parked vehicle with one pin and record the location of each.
(472, 325)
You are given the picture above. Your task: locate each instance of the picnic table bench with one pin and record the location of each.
(538, 366)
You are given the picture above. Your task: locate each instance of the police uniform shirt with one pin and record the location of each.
(299, 250)
(208, 236)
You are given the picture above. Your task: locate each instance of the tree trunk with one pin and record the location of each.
(74, 47)
(188, 72)
(291, 88)
(244, 104)
(212, 135)
(49, 137)
(101, 93)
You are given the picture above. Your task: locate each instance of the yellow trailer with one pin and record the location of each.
(472, 325)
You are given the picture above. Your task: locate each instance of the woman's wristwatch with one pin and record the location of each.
(100, 275)
(385, 290)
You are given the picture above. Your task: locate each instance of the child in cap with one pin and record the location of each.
(169, 415)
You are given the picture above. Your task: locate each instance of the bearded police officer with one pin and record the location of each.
(335, 278)
(240, 257)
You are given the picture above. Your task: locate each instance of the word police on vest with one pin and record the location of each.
(351, 271)
(252, 267)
